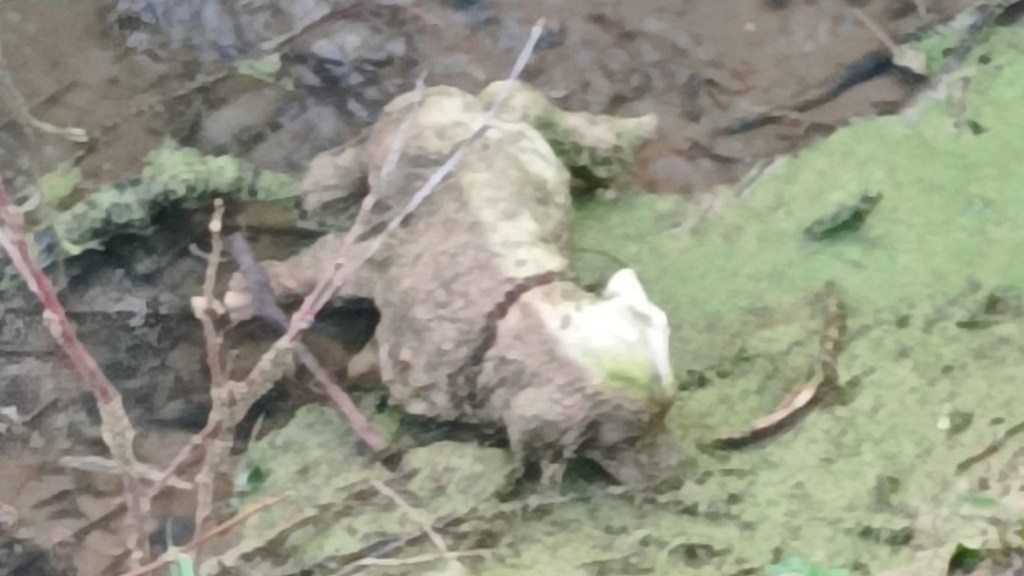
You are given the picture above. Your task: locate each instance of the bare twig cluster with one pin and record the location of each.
(231, 399)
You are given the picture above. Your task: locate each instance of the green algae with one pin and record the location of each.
(630, 372)
(949, 198)
(173, 175)
(316, 461)
(59, 183)
(914, 275)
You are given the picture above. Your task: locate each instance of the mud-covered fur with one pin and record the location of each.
(476, 311)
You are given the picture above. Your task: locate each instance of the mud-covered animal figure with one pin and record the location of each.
(480, 321)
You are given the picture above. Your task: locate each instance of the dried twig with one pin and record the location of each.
(416, 515)
(275, 44)
(116, 428)
(375, 553)
(806, 394)
(171, 555)
(212, 338)
(454, 159)
(104, 466)
(421, 559)
(402, 135)
(24, 115)
(266, 307)
(991, 448)
(905, 56)
(166, 476)
(715, 201)
(209, 436)
(877, 30)
(14, 241)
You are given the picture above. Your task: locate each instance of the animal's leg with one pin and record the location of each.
(551, 474)
(541, 428)
(603, 145)
(292, 278)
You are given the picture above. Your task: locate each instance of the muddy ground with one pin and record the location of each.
(133, 73)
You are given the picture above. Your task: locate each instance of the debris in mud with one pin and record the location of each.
(990, 308)
(991, 448)
(804, 395)
(23, 558)
(845, 220)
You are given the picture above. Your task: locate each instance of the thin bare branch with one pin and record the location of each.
(805, 394)
(24, 115)
(266, 307)
(115, 428)
(169, 556)
(402, 135)
(212, 339)
(166, 477)
(416, 515)
(105, 466)
(421, 559)
(485, 123)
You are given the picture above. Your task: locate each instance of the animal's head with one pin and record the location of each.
(625, 292)
(623, 338)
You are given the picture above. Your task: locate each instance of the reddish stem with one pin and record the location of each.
(13, 238)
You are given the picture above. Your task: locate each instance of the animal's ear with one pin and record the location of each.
(625, 284)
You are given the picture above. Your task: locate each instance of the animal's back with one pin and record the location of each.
(501, 218)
